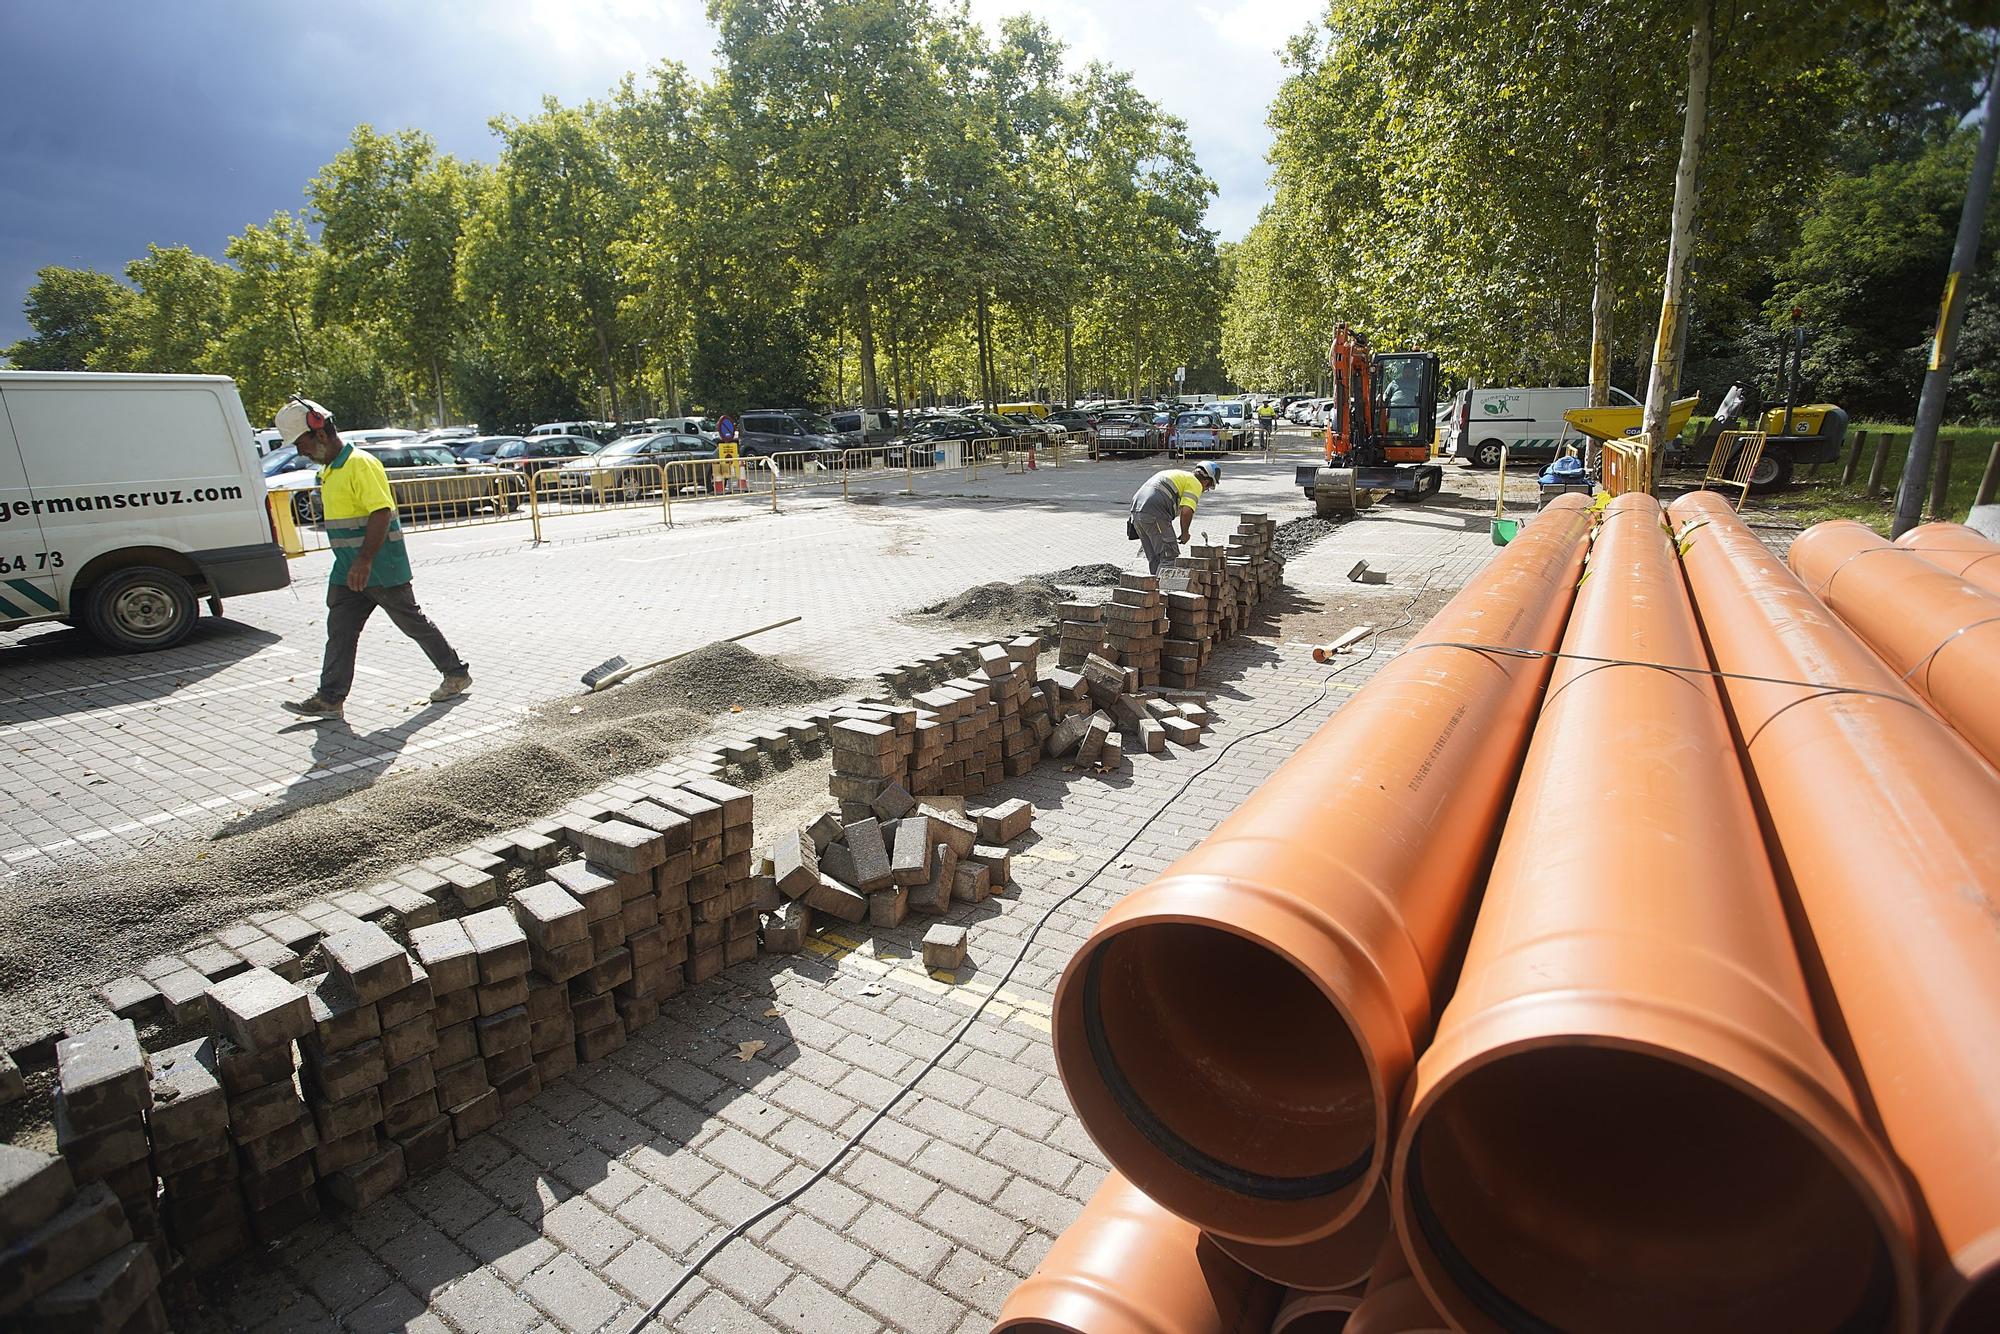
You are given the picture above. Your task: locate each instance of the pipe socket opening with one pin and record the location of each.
(1230, 1061)
(1592, 1189)
(1977, 1309)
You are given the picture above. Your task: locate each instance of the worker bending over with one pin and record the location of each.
(1169, 494)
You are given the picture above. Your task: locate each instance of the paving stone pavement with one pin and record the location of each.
(103, 756)
(582, 1206)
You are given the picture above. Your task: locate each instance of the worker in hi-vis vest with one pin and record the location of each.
(1169, 494)
(371, 567)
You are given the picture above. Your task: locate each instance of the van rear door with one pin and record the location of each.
(27, 568)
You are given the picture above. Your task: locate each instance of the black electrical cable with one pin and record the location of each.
(821, 1172)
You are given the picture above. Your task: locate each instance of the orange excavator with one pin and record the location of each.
(1378, 432)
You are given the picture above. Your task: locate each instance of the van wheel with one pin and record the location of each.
(140, 608)
(1486, 454)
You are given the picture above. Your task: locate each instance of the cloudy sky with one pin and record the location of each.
(179, 123)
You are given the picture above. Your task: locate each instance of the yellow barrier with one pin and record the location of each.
(597, 489)
(1734, 462)
(1628, 466)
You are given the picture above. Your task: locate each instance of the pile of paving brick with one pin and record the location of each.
(958, 739)
(880, 869)
(1165, 627)
(438, 1000)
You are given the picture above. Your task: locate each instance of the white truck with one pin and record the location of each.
(126, 498)
(1527, 423)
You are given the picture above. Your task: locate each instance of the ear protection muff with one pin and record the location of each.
(315, 419)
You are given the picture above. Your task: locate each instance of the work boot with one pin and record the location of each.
(455, 684)
(312, 706)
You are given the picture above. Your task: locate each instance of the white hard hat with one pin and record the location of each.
(299, 416)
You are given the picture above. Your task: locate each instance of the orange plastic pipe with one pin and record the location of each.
(1887, 832)
(1127, 1266)
(1235, 1035)
(1627, 1120)
(1956, 549)
(1339, 1260)
(1934, 629)
(1305, 1312)
(1393, 1303)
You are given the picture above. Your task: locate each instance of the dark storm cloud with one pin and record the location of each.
(180, 123)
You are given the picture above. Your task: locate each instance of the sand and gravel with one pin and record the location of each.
(65, 931)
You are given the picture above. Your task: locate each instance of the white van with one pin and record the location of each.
(1527, 423)
(124, 499)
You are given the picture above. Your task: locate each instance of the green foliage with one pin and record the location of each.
(71, 312)
(180, 310)
(748, 357)
(1464, 177)
(1888, 231)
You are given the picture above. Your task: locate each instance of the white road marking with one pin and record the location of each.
(271, 652)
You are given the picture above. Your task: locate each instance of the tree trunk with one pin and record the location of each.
(1601, 301)
(437, 382)
(896, 369)
(1069, 359)
(864, 332)
(610, 371)
(1666, 360)
(985, 350)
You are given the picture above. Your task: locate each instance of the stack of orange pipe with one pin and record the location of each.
(1627, 1119)
(1235, 1036)
(1933, 628)
(1956, 549)
(1887, 830)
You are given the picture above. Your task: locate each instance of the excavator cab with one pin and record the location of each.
(1408, 382)
(1378, 434)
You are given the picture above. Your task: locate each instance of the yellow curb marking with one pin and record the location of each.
(843, 951)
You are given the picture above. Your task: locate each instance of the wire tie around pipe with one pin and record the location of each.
(1924, 661)
(1822, 687)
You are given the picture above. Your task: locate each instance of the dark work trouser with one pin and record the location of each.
(348, 611)
(1157, 539)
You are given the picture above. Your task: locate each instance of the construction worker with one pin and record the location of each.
(371, 567)
(1267, 418)
(1169, 494)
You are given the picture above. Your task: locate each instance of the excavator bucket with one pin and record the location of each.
(1334, 493)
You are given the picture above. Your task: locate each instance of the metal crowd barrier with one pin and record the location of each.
(1627, 466)
(553, 491)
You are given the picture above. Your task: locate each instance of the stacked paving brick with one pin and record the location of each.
(333, 1089)
(69, 1259)
(959, 738)
(102, 1096)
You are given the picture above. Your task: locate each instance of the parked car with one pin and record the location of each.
(873, 425)
(1129, 431)
(1238, 420)
(602, 432)
(806, 437)
(701, 426)
(476, 449)
(428, 481)
(628, 469)
(529, 458)
(380, 435)
(1198, 431)
(1074, 419)
(926, 435)
(1025, 431)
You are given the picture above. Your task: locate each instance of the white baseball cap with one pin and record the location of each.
(299, 416)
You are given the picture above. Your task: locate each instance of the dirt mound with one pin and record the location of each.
(326, 839)
(1031, 599)
(1084, 576)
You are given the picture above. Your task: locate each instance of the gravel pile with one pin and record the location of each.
(326, 840)
(1084, 576)
(1030, 600)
